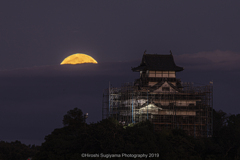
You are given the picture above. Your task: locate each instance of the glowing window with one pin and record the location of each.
(158, 73)
(151, 73)
(165, 73)
(172, 74)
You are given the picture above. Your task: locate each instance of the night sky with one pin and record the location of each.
(35, 36)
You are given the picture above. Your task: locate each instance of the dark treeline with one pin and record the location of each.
(108, 136)
(16, 150)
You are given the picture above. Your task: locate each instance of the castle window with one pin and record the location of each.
(152, 74)
(171, 74)
(165, 74)
(158, 73)
(165, 89)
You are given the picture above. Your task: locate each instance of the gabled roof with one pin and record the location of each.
(156, 62)
(159, 84)
(156, 86)
(174, 87)
(152, 105)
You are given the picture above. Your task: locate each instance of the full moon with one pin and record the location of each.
(78, 58)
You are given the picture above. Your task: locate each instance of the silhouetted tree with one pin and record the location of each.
(16, 150)
(73, 118)
(108, 136)
(219, 121)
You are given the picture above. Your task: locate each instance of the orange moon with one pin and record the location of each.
(78, 58)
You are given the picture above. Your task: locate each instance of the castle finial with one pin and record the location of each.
(170, 52)
(145, 51)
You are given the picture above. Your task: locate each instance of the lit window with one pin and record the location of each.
(159, 74)
(152, 74)
(165, 73)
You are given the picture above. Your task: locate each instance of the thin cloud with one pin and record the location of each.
(212, 60)
(105, 68)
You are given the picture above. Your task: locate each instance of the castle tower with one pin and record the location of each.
(163, 99)
(157, 68)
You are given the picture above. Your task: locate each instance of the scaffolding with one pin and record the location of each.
(189, 108)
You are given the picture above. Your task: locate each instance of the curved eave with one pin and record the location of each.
(179, 69)
(138, 69)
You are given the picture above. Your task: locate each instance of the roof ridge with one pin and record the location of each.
(158, 62)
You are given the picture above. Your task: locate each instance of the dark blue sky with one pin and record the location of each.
(35, 33)
(35, 36)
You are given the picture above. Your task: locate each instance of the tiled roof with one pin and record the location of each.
(156, 86)
(157, 62)
(159, 84)
(174, 87)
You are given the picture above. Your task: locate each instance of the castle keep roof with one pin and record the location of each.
(157, 62)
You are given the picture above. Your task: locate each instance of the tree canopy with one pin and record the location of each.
(108, 136)
(16, 150)
(73, 118)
